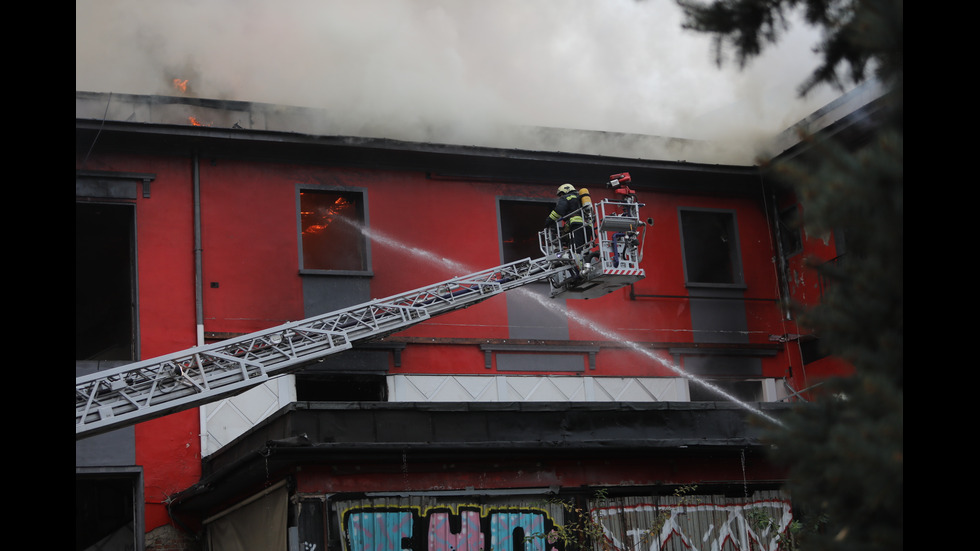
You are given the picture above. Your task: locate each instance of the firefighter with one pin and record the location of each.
(569, 203)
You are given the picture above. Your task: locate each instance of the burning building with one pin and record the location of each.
(629, 418)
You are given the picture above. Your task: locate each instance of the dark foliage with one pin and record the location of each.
(844, 450)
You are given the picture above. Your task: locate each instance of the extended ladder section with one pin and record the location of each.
(112, 398)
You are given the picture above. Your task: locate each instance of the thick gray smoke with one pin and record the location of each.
(456, 71)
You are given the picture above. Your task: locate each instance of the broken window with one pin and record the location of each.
(332, 230)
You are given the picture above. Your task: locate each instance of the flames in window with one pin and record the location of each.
(319, 215)
(327, 244)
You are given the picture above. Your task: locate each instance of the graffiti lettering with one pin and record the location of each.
(648, 527)
(439, 529)
(468, 538)
(624, 524)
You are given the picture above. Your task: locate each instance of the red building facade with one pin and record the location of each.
(636, 405)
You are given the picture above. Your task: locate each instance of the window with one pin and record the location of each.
(520, 222)
(710, 247)
(789, 231)
(105, 294)
(331, 230)
(109, 508)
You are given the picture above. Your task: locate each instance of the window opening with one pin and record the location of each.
(106, 512)
(520, 222)
(710, 244)
(331, 230)
(789, 231)
(105, 302)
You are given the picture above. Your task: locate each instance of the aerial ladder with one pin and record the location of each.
(128, 394)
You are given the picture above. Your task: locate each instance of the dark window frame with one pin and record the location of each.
(131, 476)
(790, 231)
(365, 245)
(534, 206)
(116, 190)
(689, 248)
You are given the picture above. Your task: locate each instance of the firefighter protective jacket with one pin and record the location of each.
(566, 205)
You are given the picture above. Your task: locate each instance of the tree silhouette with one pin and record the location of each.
(843, 451)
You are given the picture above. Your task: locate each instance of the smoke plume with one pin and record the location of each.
(458, 72)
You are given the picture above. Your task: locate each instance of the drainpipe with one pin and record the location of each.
(199, 289)
(198, 271)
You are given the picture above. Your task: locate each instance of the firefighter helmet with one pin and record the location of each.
(565, 188)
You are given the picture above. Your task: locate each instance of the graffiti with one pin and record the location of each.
(700, 526)
(469, 538)
(440, 529)
(701, 523)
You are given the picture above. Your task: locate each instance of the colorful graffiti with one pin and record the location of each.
(691, 523)
(468, 528)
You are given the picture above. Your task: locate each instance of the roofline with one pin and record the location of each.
(437, 160)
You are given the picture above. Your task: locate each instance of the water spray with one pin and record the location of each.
(608, 334)
(379, 237)
(550, 304)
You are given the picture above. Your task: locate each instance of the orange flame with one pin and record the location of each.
(323, 215)
(196, 122)
(180, 85)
